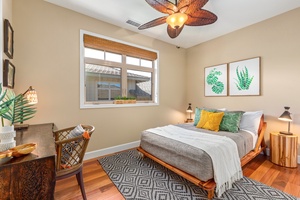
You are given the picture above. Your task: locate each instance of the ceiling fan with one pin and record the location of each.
(183, 12)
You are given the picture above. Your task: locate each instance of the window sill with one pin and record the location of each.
(87, 106)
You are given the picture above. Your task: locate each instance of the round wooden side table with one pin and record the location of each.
(284, 149)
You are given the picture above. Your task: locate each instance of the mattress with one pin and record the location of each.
(189, 159)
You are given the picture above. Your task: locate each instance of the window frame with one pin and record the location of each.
(84, 104)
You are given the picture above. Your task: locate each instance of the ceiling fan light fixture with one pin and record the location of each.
(177, 20)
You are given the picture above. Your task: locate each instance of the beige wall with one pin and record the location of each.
(7, 10)
(47, 57)
(277, 42)
(6, 14)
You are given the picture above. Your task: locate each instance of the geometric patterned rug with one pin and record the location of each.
(140, 178)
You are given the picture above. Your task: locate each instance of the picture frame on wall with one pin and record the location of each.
(244, 77)
(8, 39)
(216, 80)
(8, 74)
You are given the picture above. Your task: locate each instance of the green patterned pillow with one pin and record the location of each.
(198, 114)
(231, 121)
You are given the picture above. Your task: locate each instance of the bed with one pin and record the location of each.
(195, 164)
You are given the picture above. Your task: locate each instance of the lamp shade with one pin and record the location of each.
(31, 95)
(176, 20)
(286, 115)
(189, 109)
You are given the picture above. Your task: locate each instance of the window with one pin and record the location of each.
(111, 69)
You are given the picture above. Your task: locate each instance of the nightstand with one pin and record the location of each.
(284, 149)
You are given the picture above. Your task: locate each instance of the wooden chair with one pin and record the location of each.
(70, 153)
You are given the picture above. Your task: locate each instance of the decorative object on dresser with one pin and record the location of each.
(71, 144)
(286, 116)
(15, 108)
(190, 111)
(18, 151)
(7, 134)
(8, 74)
(8, 39)
(284, 149)
(31, 176)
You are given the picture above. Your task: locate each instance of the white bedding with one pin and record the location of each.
(227, 166)
(254, 137)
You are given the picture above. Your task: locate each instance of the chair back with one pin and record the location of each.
(70, 150)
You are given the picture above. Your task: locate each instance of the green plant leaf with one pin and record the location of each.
(218, 87)
(19, 109)
(212, 77)
(243, 80)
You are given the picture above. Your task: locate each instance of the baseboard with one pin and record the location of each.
(268, 154)
(110, 150)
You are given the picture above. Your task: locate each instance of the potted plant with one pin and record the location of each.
(15, 109)
(124, 100)
(131, 100)
(118, 100)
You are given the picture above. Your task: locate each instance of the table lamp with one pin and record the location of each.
(189, 110)
(286, 116)
(31, 95)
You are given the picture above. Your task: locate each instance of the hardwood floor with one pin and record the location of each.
(98, 186)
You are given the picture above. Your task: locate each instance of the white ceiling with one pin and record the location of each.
(232, 15)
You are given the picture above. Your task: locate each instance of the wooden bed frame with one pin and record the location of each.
(210, 185)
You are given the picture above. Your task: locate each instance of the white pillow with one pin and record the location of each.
(77, 131)
(250, 121)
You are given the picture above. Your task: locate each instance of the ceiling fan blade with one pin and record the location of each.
(153, 23)
(173, 33)
(194, 6)
(200, 18)
(183, 5)
(163, 6)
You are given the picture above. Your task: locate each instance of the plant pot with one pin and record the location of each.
(118, 101)
(7, 134)
(124, 101)
(131, 101)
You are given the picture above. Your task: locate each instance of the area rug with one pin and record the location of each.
(140, 178)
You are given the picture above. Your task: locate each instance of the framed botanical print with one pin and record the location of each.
(244, 77)
(8, 39)
(216, 80)
(8, 74)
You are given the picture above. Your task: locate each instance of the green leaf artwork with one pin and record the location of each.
(218, 87)
(212, 79)
(243, 80)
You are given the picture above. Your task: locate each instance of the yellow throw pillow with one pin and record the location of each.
(210, 120)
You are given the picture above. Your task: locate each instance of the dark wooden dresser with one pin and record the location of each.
(31, 176)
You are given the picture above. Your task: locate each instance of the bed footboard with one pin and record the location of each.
(208, 186)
